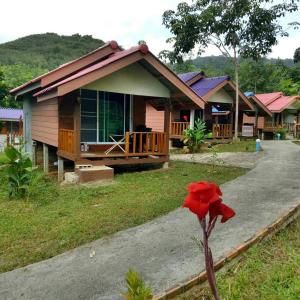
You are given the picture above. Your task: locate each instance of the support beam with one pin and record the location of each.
(60, 169)
(46, 158)
(192, 118)
(167, 123)
(33, 154)
(77, 130)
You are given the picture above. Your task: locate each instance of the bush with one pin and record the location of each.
(136, 287)
(282, 132)
(194, 137)
(18, 171)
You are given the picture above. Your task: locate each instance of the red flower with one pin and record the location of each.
(219, 209)
(203, 198)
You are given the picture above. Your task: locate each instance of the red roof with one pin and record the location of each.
(276, 102)
(114, 57)
(112, 44)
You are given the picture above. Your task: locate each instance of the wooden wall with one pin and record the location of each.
(251, 120)
(139, 111)
(154, 118)
(44, 125)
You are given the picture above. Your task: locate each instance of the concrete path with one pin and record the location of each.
(162, 250)
(246, 160)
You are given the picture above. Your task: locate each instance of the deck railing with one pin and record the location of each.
(270, 126)
(222, 131)
(66, 140)
(146, 143)
(177, 128)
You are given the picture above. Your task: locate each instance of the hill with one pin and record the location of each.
(47, 50)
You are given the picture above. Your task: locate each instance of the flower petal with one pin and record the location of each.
(197, 207)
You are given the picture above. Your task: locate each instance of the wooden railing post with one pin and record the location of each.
(127, 137)
(76, 137)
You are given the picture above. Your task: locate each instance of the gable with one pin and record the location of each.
(221, 96)
(133, 79)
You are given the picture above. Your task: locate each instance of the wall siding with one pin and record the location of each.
(44, 123)
(251, 120)
(154, 118)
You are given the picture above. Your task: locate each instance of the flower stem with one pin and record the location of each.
(209, 264)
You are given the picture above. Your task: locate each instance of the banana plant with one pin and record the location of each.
(18, 171)
(194, 137)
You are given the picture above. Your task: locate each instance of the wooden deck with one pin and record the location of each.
(148, 146)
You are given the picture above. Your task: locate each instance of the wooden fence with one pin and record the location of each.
(222, 131)
(177, 128)
(146, 143)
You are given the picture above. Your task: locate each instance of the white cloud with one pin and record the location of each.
(125, 21)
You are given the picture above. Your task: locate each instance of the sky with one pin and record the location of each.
(126, 21)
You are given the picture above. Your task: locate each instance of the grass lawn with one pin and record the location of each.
(3, 158)
(268, 271)
(56, 219)
(242, 146)
(296, 142)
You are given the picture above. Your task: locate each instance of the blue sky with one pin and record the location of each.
(124, 21)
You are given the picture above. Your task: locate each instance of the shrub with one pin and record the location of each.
(194, 137)
(18, 171)
(136, 287)
(282, 132)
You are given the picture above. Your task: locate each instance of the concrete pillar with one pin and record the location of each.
(60, 169)
(166, 165)
(192, 118)
(46, 158)
(262, 135)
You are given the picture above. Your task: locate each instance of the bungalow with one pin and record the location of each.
(92, 110)
(11, 120)
(218, 93)
(281, 112)
(11, 126)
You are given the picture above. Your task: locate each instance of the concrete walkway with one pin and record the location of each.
(246, 160)
(162, 250)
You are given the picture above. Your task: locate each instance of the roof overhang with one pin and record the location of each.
(231, 86)
(292, 101)
(66, 69)
(75, 82)
(260, 106)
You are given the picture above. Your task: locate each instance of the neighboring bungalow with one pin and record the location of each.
(92, 110)
(219, 112)
(11, 120)
(282, 112)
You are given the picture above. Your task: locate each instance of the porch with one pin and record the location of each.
(219, 131)
(109, 129)
(219, 120)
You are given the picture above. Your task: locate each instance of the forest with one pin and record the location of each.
(30, 56)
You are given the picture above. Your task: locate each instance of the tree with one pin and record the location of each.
(297, 55)
(3, 88)
(238, 28)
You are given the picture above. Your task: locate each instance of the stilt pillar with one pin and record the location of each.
(46, 158)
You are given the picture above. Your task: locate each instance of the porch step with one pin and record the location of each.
(83, 166)
(94, 173)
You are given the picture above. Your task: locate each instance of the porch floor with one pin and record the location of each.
(101, 154)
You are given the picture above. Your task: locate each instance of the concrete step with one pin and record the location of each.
(94, 173)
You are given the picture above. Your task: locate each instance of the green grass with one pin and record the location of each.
(296, 142)
(242, 146)
(3, 158)
(56, 219)
(268, 271)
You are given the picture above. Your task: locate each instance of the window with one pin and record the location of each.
(104, 114)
